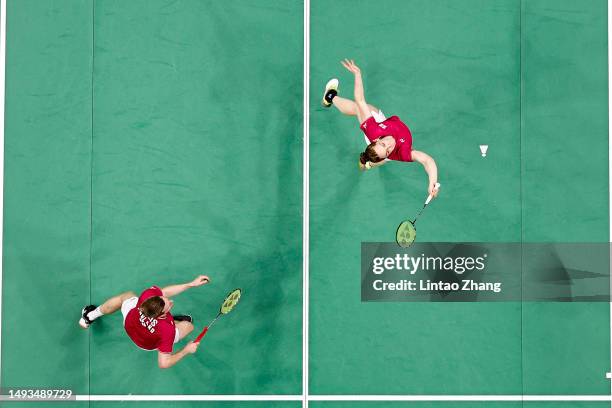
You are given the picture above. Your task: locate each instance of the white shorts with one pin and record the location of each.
(131, 303)
(127, 305)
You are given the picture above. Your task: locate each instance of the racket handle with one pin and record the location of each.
(197, 340)
(436, 186)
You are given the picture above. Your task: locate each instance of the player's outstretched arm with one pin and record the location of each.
(174, 290)
(430, 168)
(167, 360)
(362, 106)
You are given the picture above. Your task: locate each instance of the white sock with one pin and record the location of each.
(94, 314)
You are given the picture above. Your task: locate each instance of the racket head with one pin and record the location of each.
(230, 301)
(405, 234)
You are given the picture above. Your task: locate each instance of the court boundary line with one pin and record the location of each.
(522, 25)
(2, 91)
(91, 170)
(463, 398)
(305, 397)
(183, 397)
(356, 398)
(306, 206)
(609, 4)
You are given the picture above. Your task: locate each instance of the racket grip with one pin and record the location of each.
(436, 186)
(197, 340)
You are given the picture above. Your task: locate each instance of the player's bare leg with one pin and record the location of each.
(113, 304)
(184, 328)
(91, 312)
(344, 105)
(349, 107)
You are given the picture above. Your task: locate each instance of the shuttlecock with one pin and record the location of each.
(483, 150)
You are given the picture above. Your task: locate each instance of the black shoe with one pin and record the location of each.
(84, 321)
(331, 90)
(183, 318)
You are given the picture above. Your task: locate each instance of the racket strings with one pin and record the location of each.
(228, 304)
(406, 234)
(230, 301)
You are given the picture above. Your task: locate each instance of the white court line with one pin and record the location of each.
(2, 89)
(610, 173)
(304, 397)
(189, 398)
(460, 398)
(306, 204)
(356, 398)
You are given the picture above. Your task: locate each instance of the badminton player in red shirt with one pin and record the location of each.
(387, 138)
(148, 322)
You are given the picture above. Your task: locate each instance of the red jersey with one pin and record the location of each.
(391, 127)
(147, 333)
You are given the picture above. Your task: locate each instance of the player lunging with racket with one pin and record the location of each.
(387, 138)
(148, 321)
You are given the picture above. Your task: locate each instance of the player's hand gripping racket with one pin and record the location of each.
(228, 304)
(406, 231)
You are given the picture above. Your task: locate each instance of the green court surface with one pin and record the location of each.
(175, 156)
(530, 80)
(149, 141)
